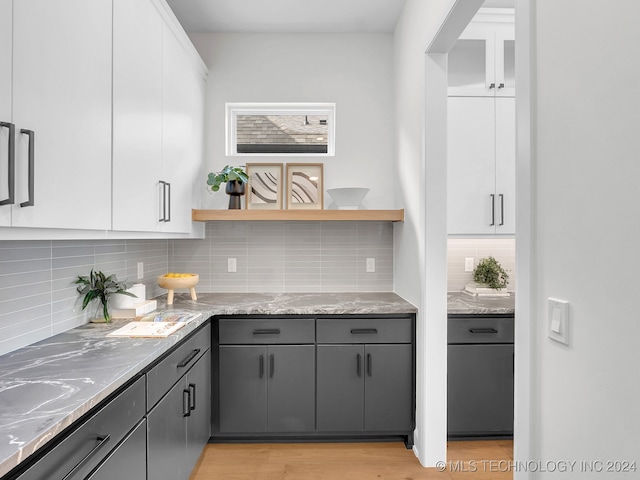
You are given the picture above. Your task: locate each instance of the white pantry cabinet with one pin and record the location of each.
(482, 61)
(60, 69)
(481, 165)
(158, 102)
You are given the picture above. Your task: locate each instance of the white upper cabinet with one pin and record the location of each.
(61, 110)
(482, 61)
(182, 132)
(158, 102)
(6, 125)
(137, 115)
(481, 166)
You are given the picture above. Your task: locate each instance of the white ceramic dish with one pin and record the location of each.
(348, 198)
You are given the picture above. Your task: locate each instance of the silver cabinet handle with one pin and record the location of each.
(501, 209)
(493, 210)
(11, 157)
(163, 218)
(167, 199)
(32, 164)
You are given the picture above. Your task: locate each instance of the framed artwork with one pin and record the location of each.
(304, 186)
(265, 186)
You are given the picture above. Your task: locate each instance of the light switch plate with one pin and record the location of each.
(371, 265)
(558, 328)
(468, 264)
(231, 265)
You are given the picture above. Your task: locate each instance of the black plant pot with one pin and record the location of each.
(235, 190)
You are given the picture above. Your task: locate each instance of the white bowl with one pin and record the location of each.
(348, 198)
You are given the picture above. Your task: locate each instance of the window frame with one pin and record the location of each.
(232, 110)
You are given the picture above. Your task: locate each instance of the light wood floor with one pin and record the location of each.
(351, 461)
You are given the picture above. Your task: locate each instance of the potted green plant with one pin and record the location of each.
(489, 272)
(235, 177)
(99, 287)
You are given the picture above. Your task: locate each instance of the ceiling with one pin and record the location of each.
(295, 16)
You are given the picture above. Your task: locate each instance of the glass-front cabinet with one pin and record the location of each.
(482, 61)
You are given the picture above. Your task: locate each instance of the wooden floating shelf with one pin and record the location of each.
(299, 215)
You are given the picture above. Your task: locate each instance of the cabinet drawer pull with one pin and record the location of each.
(32, 165)
(369, 365)
(101, 442)
(11, 159)
(272, 365)
(359, 365)
(357, 331)
(192, 396)
(186, 402)
(188, 359)
(483, 330)
(501, 209)
(266, 331)
(493, 85)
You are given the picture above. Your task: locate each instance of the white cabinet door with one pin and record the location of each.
(62, 93)
(470, 165)
(182, 107)
(481, 165)
(137, 116)
(6, 37)
(506, 165)
(482, 63)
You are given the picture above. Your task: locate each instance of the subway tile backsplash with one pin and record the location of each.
(502, 249)
(38, 298)
(289, 256)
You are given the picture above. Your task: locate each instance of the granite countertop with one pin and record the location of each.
(46, 386)
(464, 303)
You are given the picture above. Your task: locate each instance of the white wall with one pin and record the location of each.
(416, 28)
(586, 396)
(353, 70)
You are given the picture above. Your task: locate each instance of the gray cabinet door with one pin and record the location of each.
(128, 460)
(388, 387)
(291, 388)
(243, 388)
(166, 436)
(199, 422)
(480, 393)
(340, 381)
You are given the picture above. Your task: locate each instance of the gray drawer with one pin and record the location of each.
(266, 331)
(90, 443)
(165, 374)
(480, 330)
(364, 330)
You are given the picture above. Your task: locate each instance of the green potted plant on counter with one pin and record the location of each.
(490, 273)
(98, 287)
(235, 177)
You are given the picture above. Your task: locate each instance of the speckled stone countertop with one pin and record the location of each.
(46, 386)
(463, 303)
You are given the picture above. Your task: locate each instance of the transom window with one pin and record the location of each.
(280, 129)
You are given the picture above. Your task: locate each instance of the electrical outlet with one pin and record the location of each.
(231, 265)
(140, 270)
(371, 265)
(468, 264)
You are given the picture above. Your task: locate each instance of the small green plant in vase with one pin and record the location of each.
(97, 286)
(489, 272)
(235, 177)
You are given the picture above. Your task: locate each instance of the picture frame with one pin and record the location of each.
(305, 186)
(265, 185)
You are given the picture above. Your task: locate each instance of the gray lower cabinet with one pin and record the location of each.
(326, 377)
(364, 388)
(179, 425)
(100, 443)
(267, 388)
(128, 460)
